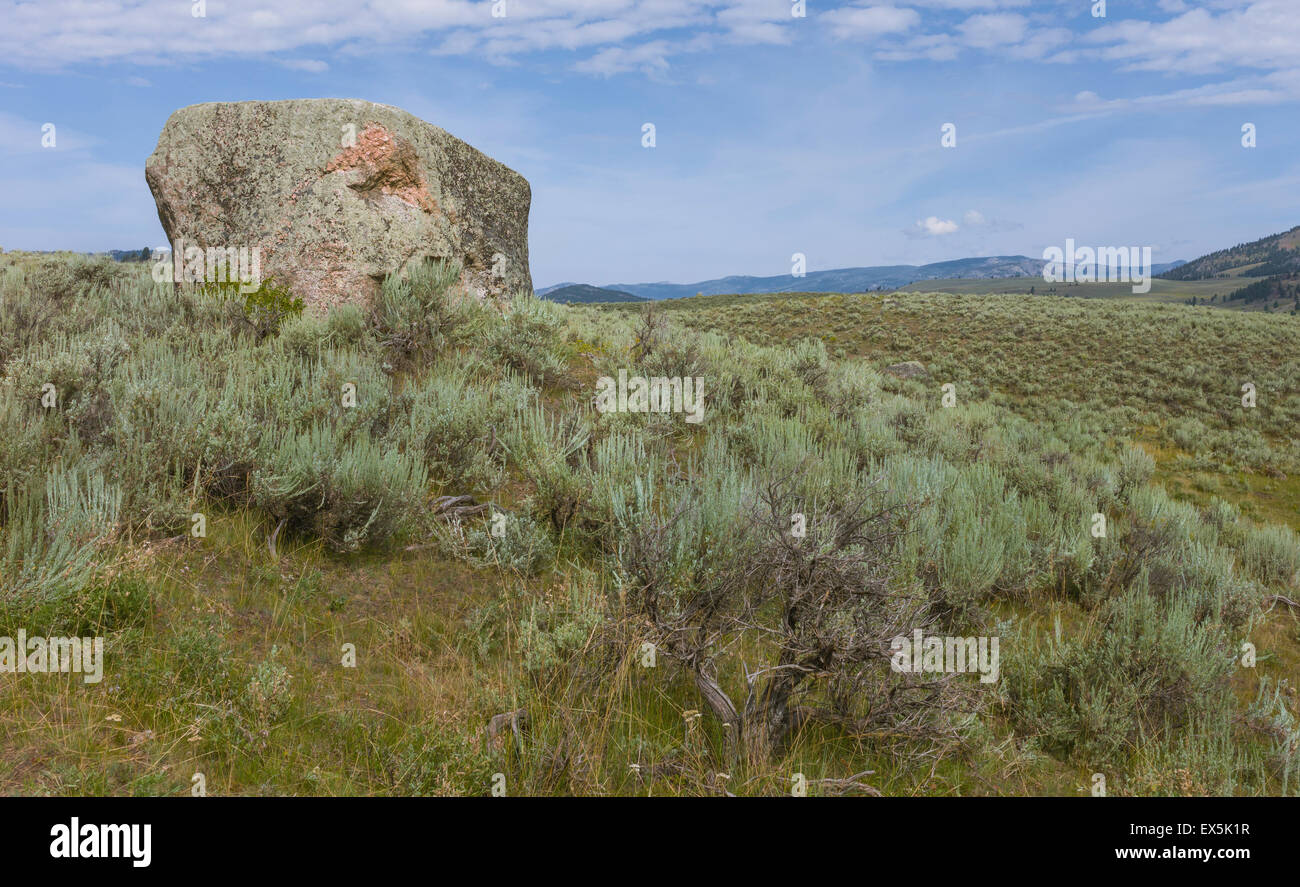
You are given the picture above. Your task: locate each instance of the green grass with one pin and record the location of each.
(225, 653)
(1096, 372)
(1162, 291)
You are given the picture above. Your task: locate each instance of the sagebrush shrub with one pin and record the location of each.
(1134, 470)
(525, 546)
(454, 426)
(1146, 668)
(984, 537)
(526, 340)
(304, 335)
(50, 535)
(349, 491)
(346, 324)
(421, 313)
(1272, 555)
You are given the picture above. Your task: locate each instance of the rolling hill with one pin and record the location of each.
(583, 293)
(843, 280)
(1266, 272)
(1268, 256)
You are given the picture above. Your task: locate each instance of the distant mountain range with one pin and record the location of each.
(839, 280)
(581, 292)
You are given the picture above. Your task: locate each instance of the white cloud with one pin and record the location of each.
(931, 47)
(866, 22)
(974, 219)
(756, 21)
(311, 66)
(1275, 88)
(989, 31)
(1221, 35)
(618, 36)
(1259, 34)
(1039, 43)
(969, 4)
(648, 57)
(57, 33)
(932, 226)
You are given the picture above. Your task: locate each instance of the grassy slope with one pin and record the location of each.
(1163, 376)
(1117, 371)
(224, 658)
(1275, 253)
(1161, 290)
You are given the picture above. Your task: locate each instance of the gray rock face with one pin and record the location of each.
(908, 369)
(337, 193)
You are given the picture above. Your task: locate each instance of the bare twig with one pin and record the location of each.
(849, 784)
(1274, 599)
(270, 540)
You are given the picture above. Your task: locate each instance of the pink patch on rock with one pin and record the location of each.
(388, 165)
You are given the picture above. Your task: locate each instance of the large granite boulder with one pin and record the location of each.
(337, 193)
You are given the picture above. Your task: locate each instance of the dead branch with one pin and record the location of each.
(1274, 599)
(848, 784)
(516, 720)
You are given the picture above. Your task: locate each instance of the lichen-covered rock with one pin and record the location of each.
(337, 193)
(908, 369)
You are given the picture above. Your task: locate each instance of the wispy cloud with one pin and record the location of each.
(57, 33)
(866, 22)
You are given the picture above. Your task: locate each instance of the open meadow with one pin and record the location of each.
(401, 551)
(1212, 291)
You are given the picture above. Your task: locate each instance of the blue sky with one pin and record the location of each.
(775, 134)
